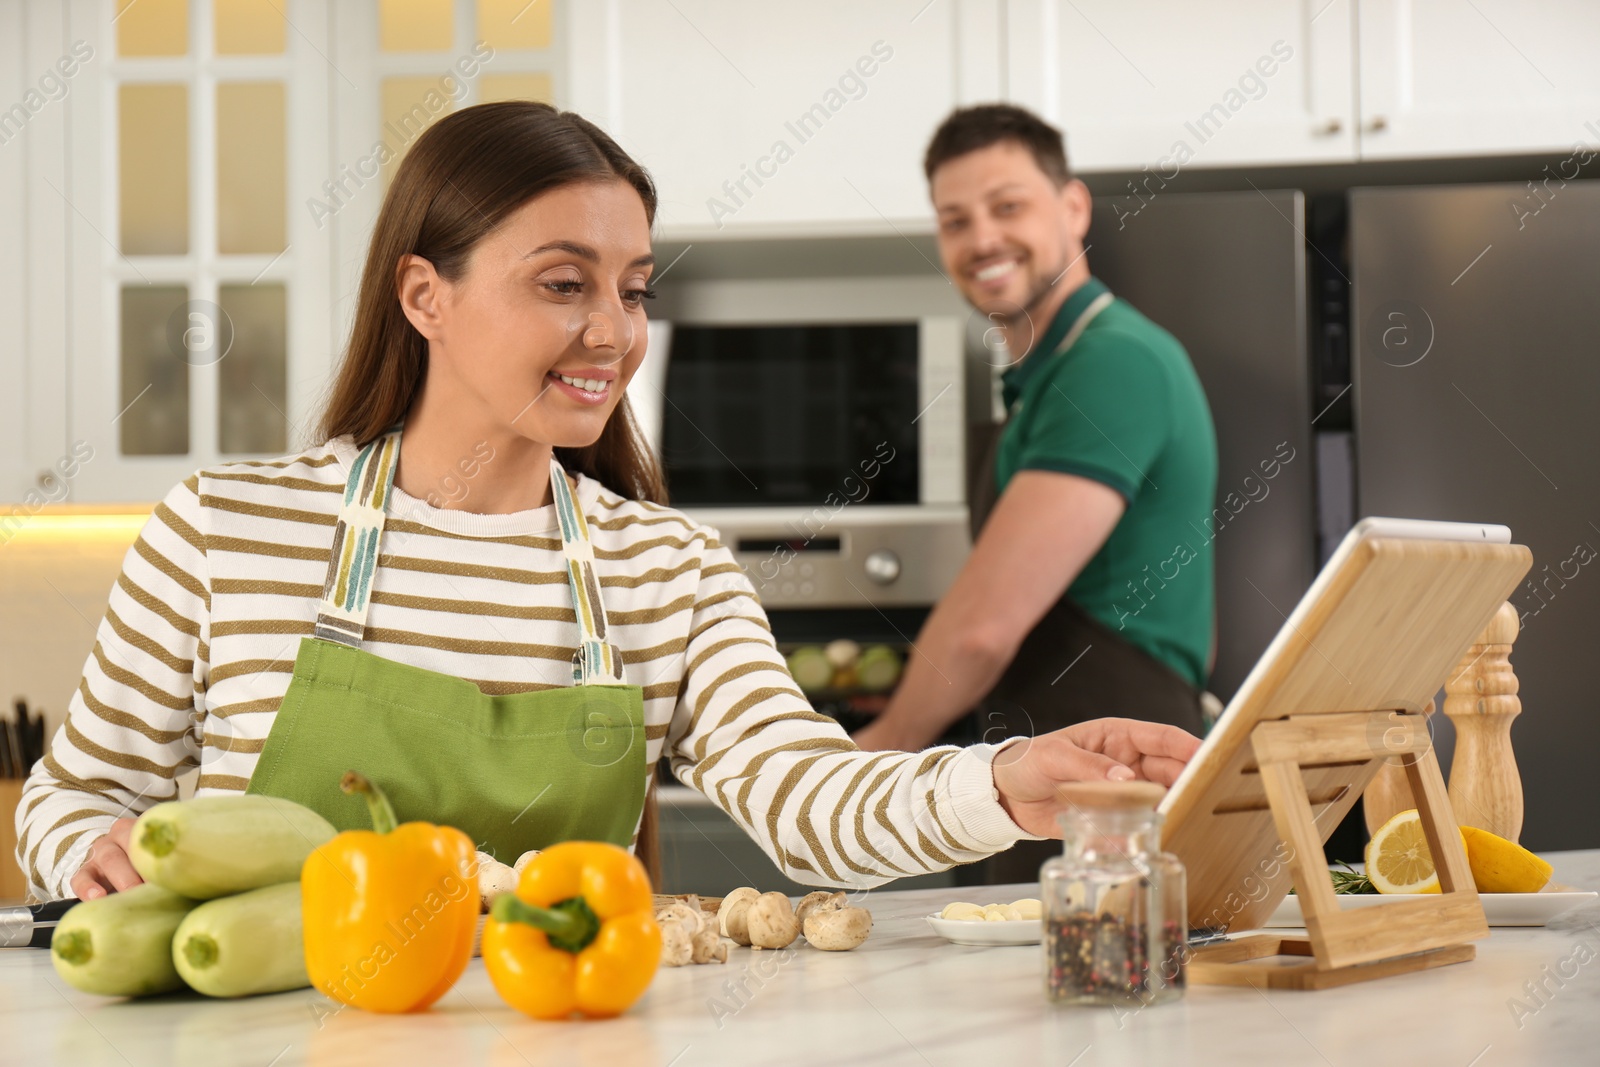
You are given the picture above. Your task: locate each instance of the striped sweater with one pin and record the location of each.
(199, 639)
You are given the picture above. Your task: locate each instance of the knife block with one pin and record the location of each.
(13, 887)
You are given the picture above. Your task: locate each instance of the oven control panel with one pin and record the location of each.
(861, 557)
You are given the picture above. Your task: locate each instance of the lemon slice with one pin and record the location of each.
(1398, 860)
(1501, 866)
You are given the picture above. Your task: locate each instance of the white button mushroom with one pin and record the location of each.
(709, 947)
(821, 900)
(771, 922)
(736, 903)
(838, 929)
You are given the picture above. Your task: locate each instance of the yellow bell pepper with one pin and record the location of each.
(579, 935)
(389, 913)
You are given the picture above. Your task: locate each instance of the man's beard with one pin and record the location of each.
(1022, 324)
(1045, 287)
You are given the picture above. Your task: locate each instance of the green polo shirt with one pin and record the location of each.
(1124, 407)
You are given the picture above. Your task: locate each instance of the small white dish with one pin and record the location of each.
(968, 932)
(1501, 909)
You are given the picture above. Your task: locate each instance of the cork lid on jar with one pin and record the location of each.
(1112, 796)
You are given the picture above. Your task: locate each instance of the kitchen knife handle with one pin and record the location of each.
(52, 911)
(33, 925)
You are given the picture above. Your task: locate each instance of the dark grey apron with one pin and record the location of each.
(1071, 668)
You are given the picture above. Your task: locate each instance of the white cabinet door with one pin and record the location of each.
(1168, 84)
(33, 368)
(198, 284)
(756, 118)
(1477, 77)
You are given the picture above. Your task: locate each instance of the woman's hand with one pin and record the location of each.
(1027, 773)
(108, 869)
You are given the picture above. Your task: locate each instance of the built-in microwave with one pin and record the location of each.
(829, 451)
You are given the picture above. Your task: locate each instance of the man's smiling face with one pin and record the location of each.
(1007, 232)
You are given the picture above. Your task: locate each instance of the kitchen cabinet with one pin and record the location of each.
(754, 118)
(191, 248)
(1443, 78)
(1168, 84)
(755, 121)
(33, 300)
(1163, 85)
(197, 281)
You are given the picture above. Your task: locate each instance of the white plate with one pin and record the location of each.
(967, 932)
(1501, 909)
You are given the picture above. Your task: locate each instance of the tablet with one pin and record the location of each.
(1393, 610)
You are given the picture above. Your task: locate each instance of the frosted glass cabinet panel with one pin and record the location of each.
(154, 176)
(249, 27)
(152, 27)
(251, 391)
(516, 87)
(154, 420)
(508, 24)
(252, 202)
(414, 25)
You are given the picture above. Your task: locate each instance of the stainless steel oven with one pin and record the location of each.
(828, 449)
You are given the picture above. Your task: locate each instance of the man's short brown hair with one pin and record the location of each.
(971, 128)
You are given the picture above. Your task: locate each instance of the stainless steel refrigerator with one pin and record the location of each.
(1226, 273)
(1475, 319)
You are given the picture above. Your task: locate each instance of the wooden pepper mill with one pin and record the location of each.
(1481, 700)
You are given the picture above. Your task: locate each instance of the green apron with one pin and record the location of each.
(514, 772)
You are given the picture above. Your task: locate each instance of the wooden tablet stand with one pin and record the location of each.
(1339, 693)
(1356, 945)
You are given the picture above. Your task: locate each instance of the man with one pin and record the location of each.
(1089, 589)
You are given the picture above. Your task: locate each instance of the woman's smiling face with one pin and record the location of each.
(545, 328)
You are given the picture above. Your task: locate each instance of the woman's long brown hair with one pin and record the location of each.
(458, 182)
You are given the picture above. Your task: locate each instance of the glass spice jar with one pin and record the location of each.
(1115, 915)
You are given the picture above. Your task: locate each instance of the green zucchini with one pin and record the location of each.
(245, 944)
(810, 667)
(878, 669)
(212, 847)
(121, 945)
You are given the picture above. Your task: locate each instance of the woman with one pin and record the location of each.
(498, 620)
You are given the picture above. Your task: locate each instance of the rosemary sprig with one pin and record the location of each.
(1349, 880)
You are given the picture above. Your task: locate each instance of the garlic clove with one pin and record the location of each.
(1028, 908)
(677, 944)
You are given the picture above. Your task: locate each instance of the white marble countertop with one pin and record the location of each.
(905, 997)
